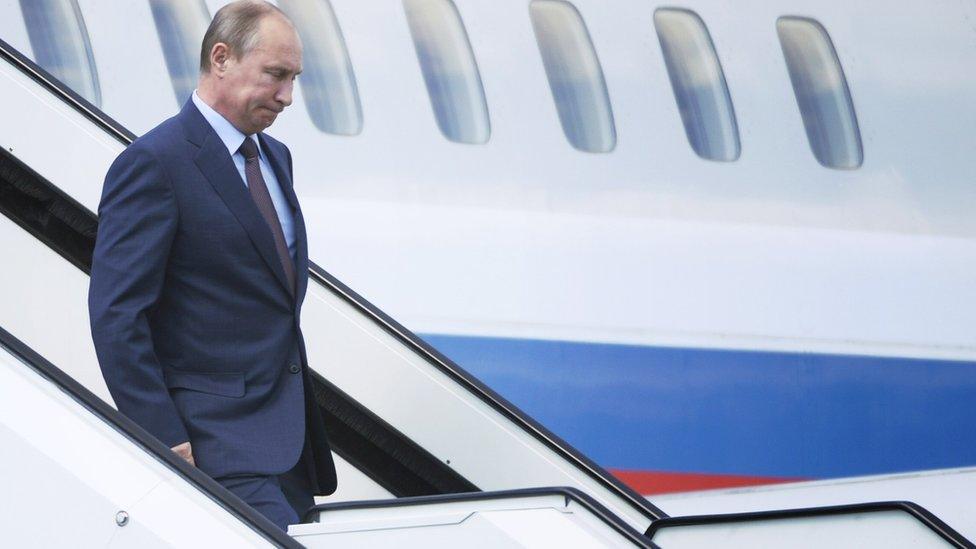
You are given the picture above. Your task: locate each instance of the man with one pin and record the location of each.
(199, 273)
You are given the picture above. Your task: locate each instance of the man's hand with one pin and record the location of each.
(185, 451)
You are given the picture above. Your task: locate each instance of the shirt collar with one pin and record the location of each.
(229, 135)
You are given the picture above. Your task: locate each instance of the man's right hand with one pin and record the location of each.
(185, 451)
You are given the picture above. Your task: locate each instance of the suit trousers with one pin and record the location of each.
(283, 499)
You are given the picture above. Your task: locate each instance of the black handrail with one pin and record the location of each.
(920, 513)
(569, 494)
(148, 443)
(431, 355)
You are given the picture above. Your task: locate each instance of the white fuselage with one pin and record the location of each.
(526, 237)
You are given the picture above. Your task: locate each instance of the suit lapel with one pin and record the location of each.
(278, 164)
(215, 163)
(302, 253)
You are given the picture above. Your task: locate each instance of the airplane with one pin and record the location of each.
(41, 296)
(63, 442)
(736, 239)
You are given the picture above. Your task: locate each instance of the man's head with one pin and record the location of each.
(250, 56)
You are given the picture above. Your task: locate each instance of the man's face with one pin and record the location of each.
(258, 86)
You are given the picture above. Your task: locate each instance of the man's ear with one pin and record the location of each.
(219, 55)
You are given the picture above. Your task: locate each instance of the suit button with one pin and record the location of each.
(294, 369)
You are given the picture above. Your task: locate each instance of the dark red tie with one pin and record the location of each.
(259, 192)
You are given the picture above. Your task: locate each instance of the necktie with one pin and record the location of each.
(261, 197)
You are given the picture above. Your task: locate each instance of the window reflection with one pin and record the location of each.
(181, 25)
(698, 83)
(450, 70)
(821, 92)
(58, 36)
(574, 74)
(328, 82)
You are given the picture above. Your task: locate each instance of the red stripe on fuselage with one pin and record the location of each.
(656, 482)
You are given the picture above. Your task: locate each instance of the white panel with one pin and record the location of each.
(947, 494)
(669, 283)
(537, 528)
(45, 305)
(58, 454)
(878, 530)
(31, 482)
(520, 521)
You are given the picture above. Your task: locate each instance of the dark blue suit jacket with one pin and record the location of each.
(196, 330)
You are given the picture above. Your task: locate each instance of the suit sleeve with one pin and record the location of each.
(138, 217)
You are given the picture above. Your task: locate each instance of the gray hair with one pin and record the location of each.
(236, 25)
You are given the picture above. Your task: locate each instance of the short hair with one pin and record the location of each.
(236, 25)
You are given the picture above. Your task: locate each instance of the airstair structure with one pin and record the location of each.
(426, 454)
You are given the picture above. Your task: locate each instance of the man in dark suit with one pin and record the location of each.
(199, 273)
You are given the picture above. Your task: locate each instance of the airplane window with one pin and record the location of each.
(821, 92)
(58, 36)
(328, 82)
(698, 83)
(574, 74)
(181, 25)
(450, 70)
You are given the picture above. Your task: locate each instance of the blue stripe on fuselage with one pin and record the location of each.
(734, 412)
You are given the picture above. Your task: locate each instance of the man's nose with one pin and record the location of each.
(284, 93)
